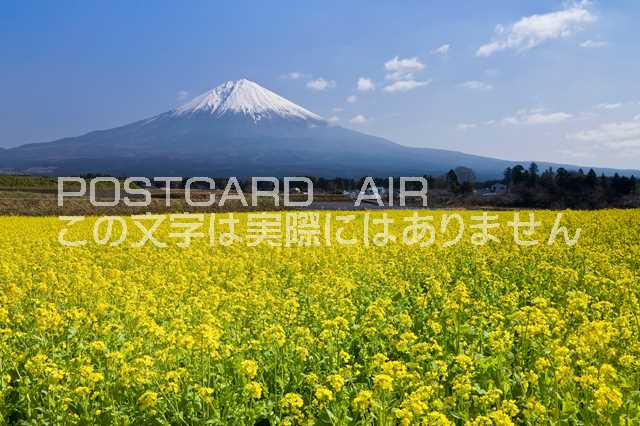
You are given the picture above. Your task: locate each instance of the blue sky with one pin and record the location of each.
(526, 80)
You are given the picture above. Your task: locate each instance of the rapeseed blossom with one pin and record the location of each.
(415, 335)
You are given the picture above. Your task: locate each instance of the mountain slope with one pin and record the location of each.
(238, 129)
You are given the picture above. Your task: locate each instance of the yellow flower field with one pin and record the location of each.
(493, 334)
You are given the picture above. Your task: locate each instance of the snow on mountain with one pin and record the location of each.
(244, 97)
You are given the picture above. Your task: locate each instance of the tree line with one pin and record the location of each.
(525, 187)
(562, 188)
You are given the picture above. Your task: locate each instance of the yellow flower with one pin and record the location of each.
(82, 390)
(147, 400)
(500, 418)
(464, 361)
(510, 407)
(500, 341)
(291, 402)
(205, 393)
(437, 329)
(362, 401)
(435, 418)
(323, 394)
(249, 368)
(542, 364)
(98, 345)
(534, 409)
(563, 374)
(55, 374)
(403, 415)
(88, 374)
(383, 382)
(607, 398)
(336, 381)
(378, 360)
(171, 387)
(311, 378)
(608, 373)
(302, 352)
(462, 385)
(344, 356)
(254, 390)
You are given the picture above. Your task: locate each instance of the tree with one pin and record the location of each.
(508, 176)
(616, 184)
(603, 181)
(519, 174)
(465, 174)
(622, 185)
(466, 187)
(547, 179)
(592, 179)
(452, 182)
(533, 174)
(562, 178)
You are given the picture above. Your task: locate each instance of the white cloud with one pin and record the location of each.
(181, 95)
(352, 99)
(442, 50)
(365, 84)
(321, 84)
(359, 119)
(591, 44)
(402, 73)
(333, 119)
(586, 115)
(510, 120)
(535, 117)
(606, 106)
(403, 69)
(295, 75)
(624, 134)
(405, 85)
(637, 117)
(337, 109)
(528, 117)
(492, 72)
(476, 85)
(531, 31)
(551, 118)
(466, 126)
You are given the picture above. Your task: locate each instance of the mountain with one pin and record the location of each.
(239, 129)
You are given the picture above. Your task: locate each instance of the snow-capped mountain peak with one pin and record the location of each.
(247, 98)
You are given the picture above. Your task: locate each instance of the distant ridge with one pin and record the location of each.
(242, 129)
